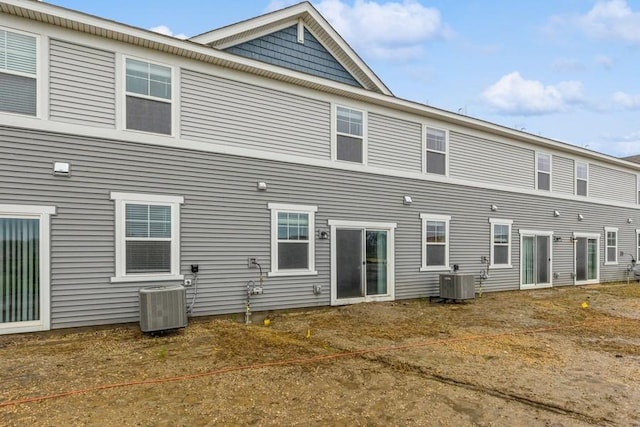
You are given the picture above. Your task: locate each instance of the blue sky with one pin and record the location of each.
(567, 70)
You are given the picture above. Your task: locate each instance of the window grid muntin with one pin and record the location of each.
(147, 80)
(23, 49)
(349, 122)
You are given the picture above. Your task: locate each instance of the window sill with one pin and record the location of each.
(292, 273)
(147, 278)
(500, 266)
(611, 263)
(436, 268)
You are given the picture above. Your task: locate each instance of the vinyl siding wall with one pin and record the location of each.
(394, 143)
(612, 184)
(82, 84)
(562, 175)
(225, 219)
(485, 161)
(242, 115)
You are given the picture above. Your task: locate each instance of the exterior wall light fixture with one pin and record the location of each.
(61, 169)
(556, 214)
(261, 186)
(580, 217)
(494, 208)
(407, 200)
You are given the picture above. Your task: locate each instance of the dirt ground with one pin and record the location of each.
(555, 357)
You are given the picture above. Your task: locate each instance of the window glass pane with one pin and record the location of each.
(17, 52)
(611, 254)
(349, 121)
(500, 233)
(137, 220)
(544, 163)
(160, 221)
(501, 254)
(137, 85)
(611, 238)
(436, 139)
(544, 181)
(436, 163)
(581, 171)
(148, 115)
(18, 94)
(349, 148)
(293, 226)
(436, 232)
(293, 255)
(148, 257)
(435, 255)
(581, 188)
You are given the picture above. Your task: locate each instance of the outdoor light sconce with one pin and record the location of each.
(580, 217)
(557, 238)
(407, 200)
(556, 214)
(494, 208)
(61, 169)
(261, 185)
(323, 235)
(629, 220)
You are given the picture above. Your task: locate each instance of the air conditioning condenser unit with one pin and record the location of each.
(163, 308)
(457, 286)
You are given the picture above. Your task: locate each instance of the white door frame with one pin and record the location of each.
(577, 235)
(389, 227)
(535, 233)
(41, 213)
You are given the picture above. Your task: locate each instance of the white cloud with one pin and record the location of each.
(625, 100)
(514, 95)
(387, 30)
(163, 29)
(612, 19)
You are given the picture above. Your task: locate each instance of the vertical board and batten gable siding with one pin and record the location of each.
(483, 160)
(241, 115)
(562, 175)
(394, 143)
(82, 84)
(224, 220)
(612, 184)
(283, 49)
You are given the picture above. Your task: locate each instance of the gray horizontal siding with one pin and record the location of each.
(82, 84)
(241, 115)
(562, 175)
(612, 184)
(224, 220)
(394, 143)
(483, 160)
(282, 48)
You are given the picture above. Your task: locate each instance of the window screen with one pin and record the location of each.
(18, 83)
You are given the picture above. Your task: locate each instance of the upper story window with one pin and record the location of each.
(435, 242)
(147, 237)
(582, 178)
(148, 97)
(500, 243)
(350, 135)
(638, 190)
(543, 171)
(18, 73)
(436, 151)
(292, 239)
(611, 239)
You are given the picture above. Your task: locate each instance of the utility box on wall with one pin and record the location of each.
(457, 286)
(162, 308)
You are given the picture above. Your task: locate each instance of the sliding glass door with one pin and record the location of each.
(535, 259)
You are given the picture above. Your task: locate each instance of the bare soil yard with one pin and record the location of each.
(556, 357)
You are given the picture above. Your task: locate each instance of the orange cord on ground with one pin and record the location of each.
(289, 362)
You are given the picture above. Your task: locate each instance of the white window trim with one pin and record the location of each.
(433, 217)
(121, 87)
(638, 189)
(425, 150)
(535, 233)
(509, 223)
(275, 208)
(41, 84)
(334, 134)
(538, 153)
(576, 179)
(637, 243)
(606, 245)
(121, 199)
(43, 213)
(597, 237)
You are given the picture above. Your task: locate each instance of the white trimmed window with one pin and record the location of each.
(637, 243)
(292, 239)
(435, 242)
(582, 178)
(611, 242)
(436, 160)
(638, 189)
(500, 243)
(18, 73)
(148, 97)
(147, 237)
(350, 130)
(543, 171)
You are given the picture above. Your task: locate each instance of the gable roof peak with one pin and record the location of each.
(301, 13)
